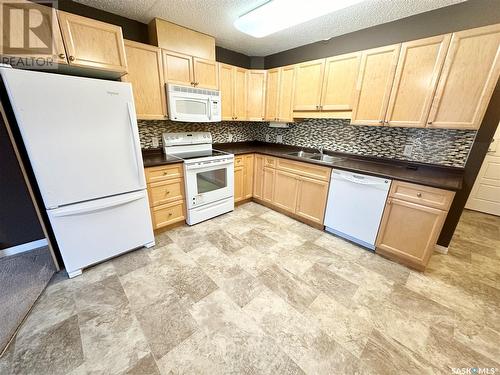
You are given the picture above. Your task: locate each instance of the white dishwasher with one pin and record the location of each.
(355, 206)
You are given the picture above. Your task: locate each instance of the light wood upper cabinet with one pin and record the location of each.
(177, 68)
(226, 86)
(420, 63)
(240, 93)
(374, 83)
(272, 94)
(48, 30)
(286, 93)
(339, 83)
(205, 73)
(256, 95)
(145, 73)
(308, 85)
(469, 76)
(93, 44)
(233, 87)
(311, 199)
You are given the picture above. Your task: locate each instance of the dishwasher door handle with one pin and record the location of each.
(361, 181)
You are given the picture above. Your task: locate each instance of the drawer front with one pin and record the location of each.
(269, 161)
(168, 214)
(166, 191)
(164, 172)
(238, 160)
(424, 195)
(304, 169)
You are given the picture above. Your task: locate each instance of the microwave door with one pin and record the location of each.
(190, 109)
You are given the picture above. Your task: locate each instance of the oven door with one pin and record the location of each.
(189, 108)
(209, 181)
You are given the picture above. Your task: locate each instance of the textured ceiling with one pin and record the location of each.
(216, 17)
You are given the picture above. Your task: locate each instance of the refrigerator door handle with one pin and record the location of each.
(90, 207)
(133, 130)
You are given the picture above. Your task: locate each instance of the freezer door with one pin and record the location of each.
(94, 231)
(80, 134)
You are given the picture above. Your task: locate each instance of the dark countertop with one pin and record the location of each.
(449, 178)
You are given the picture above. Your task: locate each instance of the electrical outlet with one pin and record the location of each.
(230, 137)
(155, 141)
(408, 150)
(279, 138)
(268, 138)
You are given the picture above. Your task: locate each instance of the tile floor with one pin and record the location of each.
(256, 292)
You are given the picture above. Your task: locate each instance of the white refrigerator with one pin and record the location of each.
(82, 141)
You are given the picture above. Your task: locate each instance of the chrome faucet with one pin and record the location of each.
(320, 149)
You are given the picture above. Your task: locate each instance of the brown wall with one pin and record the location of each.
(473, 13)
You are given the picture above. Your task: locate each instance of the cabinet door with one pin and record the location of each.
(239, 184)
(419, 65)
(339, 83)
(311, 201)
(286, 93)
(409, 231)
(240, 93)
(258, 176)
(226, 90)
(92, 43)
(177, 68)
(205, 73)
(373, 86)
(268, 184)
(47, 31)
(272, 90)
(308, 84)
(256, 95)
(248, 176)
(469, 76)
(286, 186)
(145, 73)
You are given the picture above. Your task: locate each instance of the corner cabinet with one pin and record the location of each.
(145, 73)
(412, 221)
(469, 76)
(93, 44)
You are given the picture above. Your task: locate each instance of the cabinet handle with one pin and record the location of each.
(62, 55)
(419, 195)
(389, 201)
(429, 123)
(169, 214)
(167, 192)
(165, 173)
(72, 58)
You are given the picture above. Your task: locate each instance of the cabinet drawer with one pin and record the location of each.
(164, 172)
(168, 214)
(238, 160)
(424, 195)
(304, 169)
(269, 161)
(166, 191)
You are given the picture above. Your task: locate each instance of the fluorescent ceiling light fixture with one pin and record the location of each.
(277, 15)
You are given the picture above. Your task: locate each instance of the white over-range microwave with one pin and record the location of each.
(189, 104)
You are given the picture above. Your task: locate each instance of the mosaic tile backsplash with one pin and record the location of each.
(434, 146)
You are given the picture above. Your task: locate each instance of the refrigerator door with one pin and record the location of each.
(80, 134)
(94, 231)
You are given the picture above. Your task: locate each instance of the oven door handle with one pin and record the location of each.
(207, 165)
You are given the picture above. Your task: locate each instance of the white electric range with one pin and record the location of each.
(208, 174)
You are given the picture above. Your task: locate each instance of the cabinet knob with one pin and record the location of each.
(381, 122)
(419, 195)
(72, 58)
(165, 173)
(429, 123)
(169, 214)
(167, 192)
(62, 55)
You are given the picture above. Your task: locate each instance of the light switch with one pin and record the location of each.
(229, 137)
(268, 138)
(408, 150)
(279, 138)
(155, 141)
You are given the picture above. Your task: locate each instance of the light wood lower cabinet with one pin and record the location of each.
(411, 223)
(166, 194)
(300, 189)
(243, 177)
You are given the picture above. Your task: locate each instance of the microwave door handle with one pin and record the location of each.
(209, 109)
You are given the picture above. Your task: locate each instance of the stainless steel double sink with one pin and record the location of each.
(315, 156)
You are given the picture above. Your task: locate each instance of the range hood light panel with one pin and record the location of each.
(277, 15)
